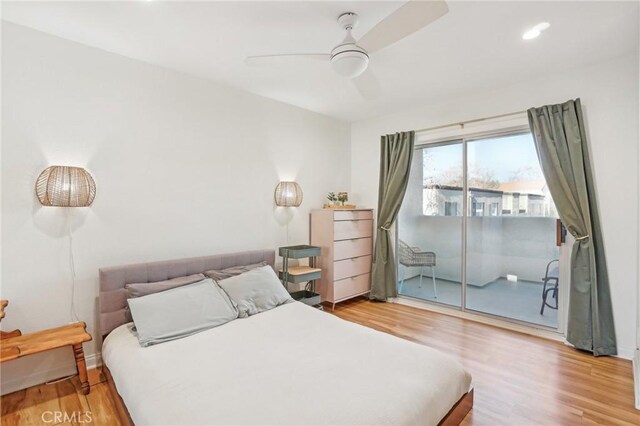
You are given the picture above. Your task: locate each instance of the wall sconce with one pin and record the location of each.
(288, 194)
(63, 186)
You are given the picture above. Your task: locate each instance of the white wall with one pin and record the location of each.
(609, 93)
(183, 167)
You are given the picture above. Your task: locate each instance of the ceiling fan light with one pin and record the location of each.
(535, 31)
(350, 63)
(531, 34)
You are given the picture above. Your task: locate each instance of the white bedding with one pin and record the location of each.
(291, 365)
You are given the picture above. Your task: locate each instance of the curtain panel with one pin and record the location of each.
(561, 143)
(396, 153)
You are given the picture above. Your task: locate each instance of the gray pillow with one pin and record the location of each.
(255, 291)
(221, 274)
(180, 312)
(143, 289)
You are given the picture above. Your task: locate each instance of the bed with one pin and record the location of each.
(292, 365)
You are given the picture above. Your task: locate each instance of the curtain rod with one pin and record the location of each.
(462, 123)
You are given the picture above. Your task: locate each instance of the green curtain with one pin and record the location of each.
(396, 152)
(560, 138)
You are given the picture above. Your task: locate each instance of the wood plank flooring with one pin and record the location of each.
(518, 379)
(39, 404)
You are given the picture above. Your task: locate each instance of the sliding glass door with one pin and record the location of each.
(429, 250)
(477, 230)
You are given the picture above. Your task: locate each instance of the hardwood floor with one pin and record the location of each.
(518, 379)
(39, 405)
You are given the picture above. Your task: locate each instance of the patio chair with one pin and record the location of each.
(412, 257)
(550, 285)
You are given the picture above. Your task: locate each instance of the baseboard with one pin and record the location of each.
(44, 376)
(636, 376)
(626, 353)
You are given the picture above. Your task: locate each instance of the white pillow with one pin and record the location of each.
(180, 312)
(255, 291)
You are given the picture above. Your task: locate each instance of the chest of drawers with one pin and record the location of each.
(346, 241)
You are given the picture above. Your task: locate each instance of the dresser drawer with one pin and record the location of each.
(351, 267)
(346, 249)
(353, 215)
(351, 286)
(348, 229)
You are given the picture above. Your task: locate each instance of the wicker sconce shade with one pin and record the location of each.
(288, 194)
(62, 186)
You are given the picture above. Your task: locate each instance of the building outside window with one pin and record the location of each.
(450, 208)
(477, 208)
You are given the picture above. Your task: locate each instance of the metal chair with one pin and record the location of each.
(413, 256)
(550, 278)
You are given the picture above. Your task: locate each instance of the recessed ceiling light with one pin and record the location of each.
(542, 26)
(535, 31)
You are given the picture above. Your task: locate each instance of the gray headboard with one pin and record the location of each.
(113, 296)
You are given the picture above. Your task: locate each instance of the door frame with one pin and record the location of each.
(517, 124)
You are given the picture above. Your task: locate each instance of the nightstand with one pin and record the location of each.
(301, 274)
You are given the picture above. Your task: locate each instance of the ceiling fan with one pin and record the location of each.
(350, 58)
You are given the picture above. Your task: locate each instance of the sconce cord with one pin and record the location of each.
(72, 266)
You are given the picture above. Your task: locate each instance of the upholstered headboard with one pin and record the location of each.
(113, 296)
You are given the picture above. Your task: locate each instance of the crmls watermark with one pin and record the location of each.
(74, 417)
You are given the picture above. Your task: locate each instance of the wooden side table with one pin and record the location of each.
(16, 345)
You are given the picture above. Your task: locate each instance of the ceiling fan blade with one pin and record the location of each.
(278, 59)
(409, 18)
(367, 85)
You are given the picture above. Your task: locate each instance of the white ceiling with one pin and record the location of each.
(476, 46)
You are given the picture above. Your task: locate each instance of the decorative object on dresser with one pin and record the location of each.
(3, 304)
(301, 274)
(338, 201)
(288, 194)
(345, 238)
(339, 207)
(6, 334)
(16, 345)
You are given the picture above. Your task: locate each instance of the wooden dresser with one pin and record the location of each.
(346, 240)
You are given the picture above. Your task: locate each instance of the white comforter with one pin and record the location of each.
(291, 365)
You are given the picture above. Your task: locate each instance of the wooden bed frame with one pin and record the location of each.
(113, 302)
(121, 408)
(459, 410)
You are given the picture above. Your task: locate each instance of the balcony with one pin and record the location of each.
(506, 261)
